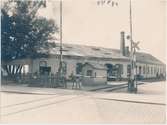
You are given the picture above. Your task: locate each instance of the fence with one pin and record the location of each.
(51, 81)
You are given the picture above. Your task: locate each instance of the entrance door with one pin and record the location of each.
(139, 70)
(109, 71)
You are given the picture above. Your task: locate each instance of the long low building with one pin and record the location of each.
(116, 64)
(111, 63)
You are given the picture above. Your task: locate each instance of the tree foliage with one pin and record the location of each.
(23, 32)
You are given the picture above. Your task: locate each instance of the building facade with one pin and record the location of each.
(115, 62)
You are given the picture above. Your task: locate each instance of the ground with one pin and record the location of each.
(44, 105)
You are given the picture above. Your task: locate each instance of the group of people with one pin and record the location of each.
(76, 81)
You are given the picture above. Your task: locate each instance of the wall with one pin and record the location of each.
(71, 66)
(124, 63)
(99, 78)
(156, 68)
(54, 64)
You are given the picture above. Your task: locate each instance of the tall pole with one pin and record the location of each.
(132, 84)
(61, 57)
(131, 39)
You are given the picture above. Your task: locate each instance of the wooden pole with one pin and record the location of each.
(61, 57)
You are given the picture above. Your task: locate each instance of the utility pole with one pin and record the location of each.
(60, 49)
(132, 85)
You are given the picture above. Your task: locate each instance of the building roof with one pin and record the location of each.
(100, 52)
(147, 58)
(96, 66)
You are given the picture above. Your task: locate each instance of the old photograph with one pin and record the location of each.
(83, 61)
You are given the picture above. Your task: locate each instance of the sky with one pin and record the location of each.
(87, 23)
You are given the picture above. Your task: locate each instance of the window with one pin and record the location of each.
(144, 69)
(64, 67)
(128, 70)
(148, 70)
(109, 69)
(89, 73)
(25, 69)
(151, 70)
(119, 68)
(79, 68)
(139, 70)
(160, 70)
(154, 70)
(96, 49)
(65, 50)
(107, 53)
(43, 69)
(43, 63)
(69, 47)
(136, 69)
(95, 74)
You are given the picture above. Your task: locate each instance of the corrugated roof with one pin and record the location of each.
(100, 52)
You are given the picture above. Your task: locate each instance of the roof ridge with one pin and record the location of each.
(86, 50)
(87, 46)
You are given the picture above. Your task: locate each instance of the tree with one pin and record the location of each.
(23, 32)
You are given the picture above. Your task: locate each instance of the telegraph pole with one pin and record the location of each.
(61, 31)
(132, 85)
(60, 49)
(131, 41)
(130, 19)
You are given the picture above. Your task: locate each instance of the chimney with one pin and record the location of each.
(127, 53)
(122, 43)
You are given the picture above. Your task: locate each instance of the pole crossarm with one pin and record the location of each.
(135, 45)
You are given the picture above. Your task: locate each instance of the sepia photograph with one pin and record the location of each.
(83, 61)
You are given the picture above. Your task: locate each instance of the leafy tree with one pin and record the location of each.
(23, 32)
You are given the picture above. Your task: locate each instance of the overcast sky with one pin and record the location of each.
(84, 22)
